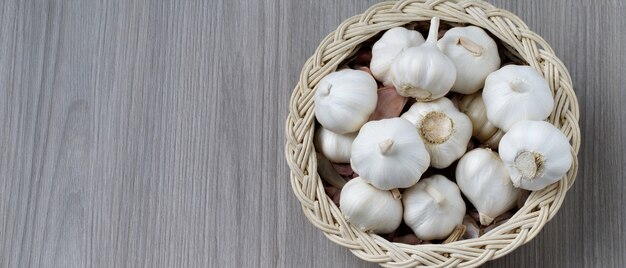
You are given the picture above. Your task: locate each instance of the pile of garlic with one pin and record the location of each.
(397, 130)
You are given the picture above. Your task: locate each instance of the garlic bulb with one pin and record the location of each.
(474, 54)
(388, 47)
(444, 130)
(536, 154)
(335, 147)
(485, 132)
(484, 180)
(515, 93)
(370, 209)
(389, 154)
(345, 99)
(423, 72)
(433, 207)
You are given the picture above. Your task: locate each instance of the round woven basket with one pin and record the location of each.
(524, 44)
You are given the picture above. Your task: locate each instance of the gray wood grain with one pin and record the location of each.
(150, 133)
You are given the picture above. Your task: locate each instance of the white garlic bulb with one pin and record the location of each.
(345, 99)
(485, 181)
(473, 106)
(515, 93)
(536, 154)
(369, 208)
(335, 147)
(388, 47)
(423, 72)
(474, 54)
(389, 154)
(444, 130)
(433, 207)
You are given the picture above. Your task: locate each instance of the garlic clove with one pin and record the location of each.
(444, 130)
(433, 207)
(362, 57)
(388, 47)
(536, 154)
(484, 180)
(423, 72)
(473, 106)
(474, 54)
(345, 99)
(522, 198)
(327, 172)
(472, 230)
(343, 169)
(335, 147)
(410, 239)
(333, 193)
(389, 105)
(515, 93)
(369, 208)
(389, 154)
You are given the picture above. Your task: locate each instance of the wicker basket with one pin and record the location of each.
(539, 208)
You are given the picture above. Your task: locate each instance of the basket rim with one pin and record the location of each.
(540, 207)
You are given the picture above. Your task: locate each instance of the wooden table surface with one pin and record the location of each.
(150, 133)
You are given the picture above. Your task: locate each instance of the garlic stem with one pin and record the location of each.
(385, 146)
(517, 85)
(396, 194)
(529, 164)
(325, 89)
(433, 31)
(436, 195)
(484, 219)
(458, 233)
(470, 45)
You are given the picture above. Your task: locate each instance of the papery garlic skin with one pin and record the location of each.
(369, 208)
(389, 154)
(423, 72)
(393, 42)
(536, 154)
(433, 207)
(484, 180)
(444, 130)
(484, 131)
(335, 147)
(474, 54)
(345, 99)
(515, 93)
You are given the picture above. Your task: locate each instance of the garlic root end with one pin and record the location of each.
(529, 165)
(436, 127)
